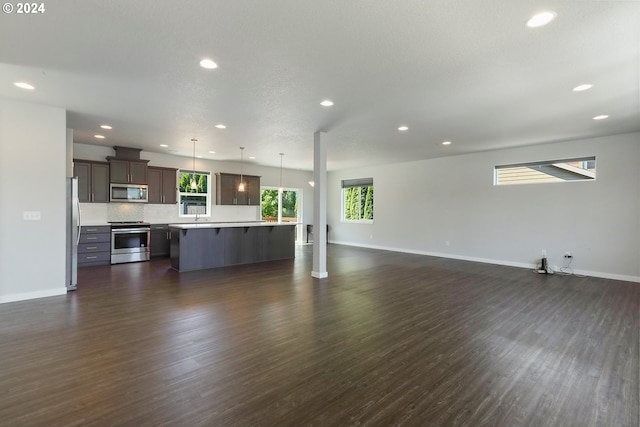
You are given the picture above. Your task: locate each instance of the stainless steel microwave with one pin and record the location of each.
(129, 193)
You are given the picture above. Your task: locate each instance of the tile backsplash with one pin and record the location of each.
(120, 212)
(102, 213)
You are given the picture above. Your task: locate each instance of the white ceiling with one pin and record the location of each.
(467, 71)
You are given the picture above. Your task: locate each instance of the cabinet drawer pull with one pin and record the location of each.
(91, 229)
(92, 257)
(92, 238)
(92, 247)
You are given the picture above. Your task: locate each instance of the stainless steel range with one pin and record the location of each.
(130, 242)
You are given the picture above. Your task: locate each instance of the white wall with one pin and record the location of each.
(270, 177)
(32, 178)
(420, 206)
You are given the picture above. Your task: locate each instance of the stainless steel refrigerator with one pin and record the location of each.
(73, 233)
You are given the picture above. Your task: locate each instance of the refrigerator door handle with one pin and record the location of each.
(79, 221)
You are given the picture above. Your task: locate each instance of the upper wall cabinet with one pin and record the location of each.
(227, 190)
(162, 185)
(93, 180)
(128, 171)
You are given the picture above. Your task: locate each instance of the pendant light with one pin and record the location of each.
(241, 185)
(281, 189)
(194, 184)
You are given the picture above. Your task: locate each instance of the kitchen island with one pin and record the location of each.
(199, 246)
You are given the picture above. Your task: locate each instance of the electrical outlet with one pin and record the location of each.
(31, 215)
(567, 254)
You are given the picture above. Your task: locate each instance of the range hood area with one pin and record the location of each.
(128, 176)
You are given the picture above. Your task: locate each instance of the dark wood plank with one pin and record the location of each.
(387, 339)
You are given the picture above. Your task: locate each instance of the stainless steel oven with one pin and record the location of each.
(130, 242)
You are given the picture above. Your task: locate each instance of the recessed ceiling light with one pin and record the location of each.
(208, 64)
(252, 158)
(99, 136)
(106, 127)
(403, 128)
(163, 145)
(24, 85)
(199, 157)
(446, 143)
(601, 117)
(326, 103)
(221, 126)
(541, 19)
(212, 152)
(580, 88)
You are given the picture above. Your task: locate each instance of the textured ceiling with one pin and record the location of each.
(466, 71)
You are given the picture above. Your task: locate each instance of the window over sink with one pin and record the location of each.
(195, 194)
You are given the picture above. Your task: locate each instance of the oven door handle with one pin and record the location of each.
(130, 231)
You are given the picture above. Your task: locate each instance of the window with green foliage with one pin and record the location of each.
(194, 200)
(271, 205)
(357, 199)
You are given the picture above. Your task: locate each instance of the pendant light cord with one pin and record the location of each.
(281, 154)
(193, 178)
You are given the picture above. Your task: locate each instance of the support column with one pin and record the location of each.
(319, 207)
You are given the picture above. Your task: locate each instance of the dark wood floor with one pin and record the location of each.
(387, 339)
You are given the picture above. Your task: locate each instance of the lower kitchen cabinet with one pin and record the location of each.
(160, 240)
(94, 247)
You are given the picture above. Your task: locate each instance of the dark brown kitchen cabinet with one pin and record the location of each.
(94, 246)
(162, 185)
(93, 180)
(160, 240)
(128, 171)
(227, 190)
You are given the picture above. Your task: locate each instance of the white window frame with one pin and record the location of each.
(300, 207)
(207, 195)
(355, 183)
(581, 175)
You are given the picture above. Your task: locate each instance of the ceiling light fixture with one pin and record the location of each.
(446, 143)
(403, 128)
(99, 136)
(312, 183)
(194, 184)
(24, 85)
(541, 19)
(241, 185)
(212, 152)
(601, 117)
(580, 88)
(281, 189)
(106, 127)
(163, 145)
(208, 64)
(326, 103)
(221, 126)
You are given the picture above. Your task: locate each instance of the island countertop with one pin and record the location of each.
(204, 224)
(198, 246)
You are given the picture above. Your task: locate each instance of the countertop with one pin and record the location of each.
(190, 225)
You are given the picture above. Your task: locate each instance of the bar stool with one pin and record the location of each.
(310, 231)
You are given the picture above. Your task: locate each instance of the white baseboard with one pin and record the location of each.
(32, 295)
(599, 274)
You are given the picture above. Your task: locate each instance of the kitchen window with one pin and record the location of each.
(194, 201)
(357, 200)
